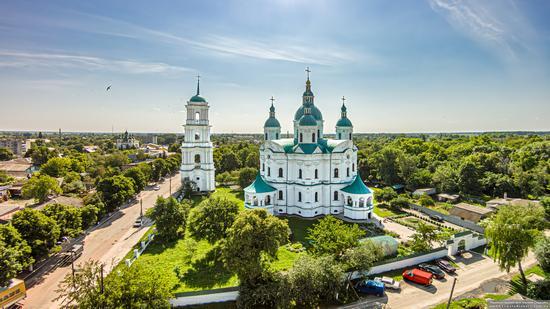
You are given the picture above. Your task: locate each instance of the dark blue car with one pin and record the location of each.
(370, 287)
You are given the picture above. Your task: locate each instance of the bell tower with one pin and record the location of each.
(197, 160)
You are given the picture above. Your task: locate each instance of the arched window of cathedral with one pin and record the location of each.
(319, 133)
(197, 158)
(268, 200)
(197, 136)
(339, 135)
(316, 197)
(280, 194)
(353, 167)
(335, 173)
(266, 135)
(299, 196)
(316, 174)
(268, 171)
(313, 138)
(300, 174)
(280, 172)
(276, 135)
(350, 136)
(301, 138)
(335, 195)
(197, 116)
(347, 172)
(263, 167)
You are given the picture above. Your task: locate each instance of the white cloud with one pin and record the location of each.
(18, 59)
(498, 25)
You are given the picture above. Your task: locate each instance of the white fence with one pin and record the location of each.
(138, 252)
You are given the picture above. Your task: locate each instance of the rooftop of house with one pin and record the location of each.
(473, 208)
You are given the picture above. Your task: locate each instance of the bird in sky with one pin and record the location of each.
(108, 88)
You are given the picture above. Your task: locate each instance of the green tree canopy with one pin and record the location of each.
(139, 178)
(67, 217)
(115, 190)
(5, 154)
(170, 217)
(247, 176)
(252, 240)
(512, 232)
(331, 236)
(212, 218)
(39, 187)
(38, 230)
(15, 253)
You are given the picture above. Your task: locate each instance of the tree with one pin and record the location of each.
(426, 200)
(39, 187)
(128, 287)
(56, 167)
(247, 176)
(224, 178)
(545, 202)
(38, 230)
(386, 194)
(469, 175)
(253, 159)
(399, 202)
(72, 183)
(41, 154)
(5, 178)
(5, 154)
(14, 254)
(115, 190)
(424, 236)
(229, 161)
(89, 215)
(314, 280)
(446, 178)
(136, 174)
(170, 217)
(511, 233)
(212, 218)
(251, 242)
(332, 236)
(160, 168)
(362, 257)
(542, 252)
(67, 217)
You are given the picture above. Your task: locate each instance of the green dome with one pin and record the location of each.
(314, 111)
(307, 120)
(308, 93)
(197, 98)
(272, 122)
(344, 122)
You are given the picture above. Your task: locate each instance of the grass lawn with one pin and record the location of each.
(188, 265)
(299, 228)
(383, 212)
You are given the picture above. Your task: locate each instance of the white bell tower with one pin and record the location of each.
(197, 160)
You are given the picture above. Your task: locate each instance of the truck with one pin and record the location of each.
(418, 276)
(12, 294)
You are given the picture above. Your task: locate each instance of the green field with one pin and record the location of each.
(188, 265)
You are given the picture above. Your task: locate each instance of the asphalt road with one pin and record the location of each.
(108, 243)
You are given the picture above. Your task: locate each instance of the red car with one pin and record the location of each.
(418, 276)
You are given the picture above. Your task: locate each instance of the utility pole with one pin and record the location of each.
(170, 185)
(451, 296)
(101, 278)
(141, 208)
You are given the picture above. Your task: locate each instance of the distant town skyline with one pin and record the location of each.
(420, 66)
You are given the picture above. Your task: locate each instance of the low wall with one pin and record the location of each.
(449, 218)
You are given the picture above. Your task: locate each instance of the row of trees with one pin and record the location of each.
(485, 164)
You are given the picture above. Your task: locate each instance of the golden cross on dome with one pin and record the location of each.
(308, 71)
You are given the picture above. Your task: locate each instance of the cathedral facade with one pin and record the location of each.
(309, 175)
(197, 160)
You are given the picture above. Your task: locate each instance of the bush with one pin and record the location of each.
(425, 200)
(399, 202)
(386, 194)
(539, 290)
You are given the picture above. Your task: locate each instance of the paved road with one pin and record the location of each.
(473, 271)
(108, 243)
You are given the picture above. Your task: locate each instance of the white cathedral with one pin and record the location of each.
(197, 160)
(309, 175)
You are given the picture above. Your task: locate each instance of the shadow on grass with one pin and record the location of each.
(158, 246)
(207, 272)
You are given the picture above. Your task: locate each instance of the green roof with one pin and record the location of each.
(357, 187)
(306, 148)
(272, 122)
(259, 186)
(197, 98)
(308, 120)
(314, 111)
(290, 145)
(344, 122)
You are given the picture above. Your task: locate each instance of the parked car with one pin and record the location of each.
(389, 283)
(446, 266)
(437, 218)
(372, 287)
(418, 276)
(434, 270)
(156, 188)
(138, 222)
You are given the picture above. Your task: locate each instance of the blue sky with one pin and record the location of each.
(404, 66)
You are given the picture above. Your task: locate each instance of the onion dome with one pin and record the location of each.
(197, 98)
(307, 120)
(344, 120)
(315, 112)
(272, 122)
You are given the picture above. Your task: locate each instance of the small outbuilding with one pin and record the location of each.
(450, 198)
(470, 212)
(498, 202)
(424, 191)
